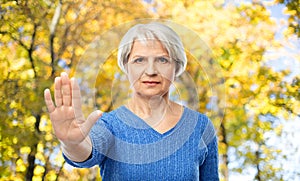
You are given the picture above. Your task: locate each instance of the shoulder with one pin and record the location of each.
(109, 117)
(117, 119)
(106, 126)
(200, 117)
(204, 125)
(107, 121)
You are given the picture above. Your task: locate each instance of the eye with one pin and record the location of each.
(163, 60)
(139, 60)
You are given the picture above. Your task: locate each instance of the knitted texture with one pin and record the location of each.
(126, 148)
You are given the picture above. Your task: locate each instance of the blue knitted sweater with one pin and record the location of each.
(126, 148)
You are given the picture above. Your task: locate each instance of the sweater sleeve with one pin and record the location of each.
(102, 139)
(94, 159)
(209, 169)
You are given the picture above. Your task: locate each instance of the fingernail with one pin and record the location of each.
(99, 112)
(73, 79)
(64, 74)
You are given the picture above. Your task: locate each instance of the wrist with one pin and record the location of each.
(77, 152)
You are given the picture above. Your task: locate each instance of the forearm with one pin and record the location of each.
(79, 152)
(209, 169)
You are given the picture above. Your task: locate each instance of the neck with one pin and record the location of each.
(152, 110)
(148, 106)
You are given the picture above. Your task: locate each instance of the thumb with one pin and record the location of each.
(91, 120)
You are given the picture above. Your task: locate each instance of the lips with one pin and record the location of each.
(151, 82)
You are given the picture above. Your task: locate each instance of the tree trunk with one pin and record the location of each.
(31, 156)
(53, 27)
(257, 176)
(224, 157)
(31, 160)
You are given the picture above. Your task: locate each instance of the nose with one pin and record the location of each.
(151, 69)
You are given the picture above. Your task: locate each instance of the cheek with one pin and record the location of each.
(168, 73)
(134, 74)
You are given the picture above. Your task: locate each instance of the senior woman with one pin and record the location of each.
(149, 138)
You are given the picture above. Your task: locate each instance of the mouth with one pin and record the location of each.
(151, 82)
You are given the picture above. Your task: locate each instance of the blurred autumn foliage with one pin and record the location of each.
(293, 10)
(41, 38)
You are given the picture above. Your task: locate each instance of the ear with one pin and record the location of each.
(126, 68)
(125, 65)
(177, 68)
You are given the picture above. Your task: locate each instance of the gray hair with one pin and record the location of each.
(168, 38)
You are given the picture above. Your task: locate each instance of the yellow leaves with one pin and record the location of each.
(9, 151)
(40, 147)
(296, 107)
(218, 52)
(45, 124)
(28, 27)
(40, 156)
(226, 64)
(20, 166)
(51, 175)
(222, 148)
(110, 68)
(46, 127)
(17, 64)
(79, 51)
(289, 31)
(177, 8)
(15, 178)
(8, 4)
(39, 170)
(264, 125)
(59, 159)
(13, 104)
(262, 106)
(289, 12)
(71, 15)
(278, 130)
(43, 54)
(38, 173)
(94, 24)
(233, 85)
(49, 137)
(30, 121)
(25, 150)
(27, 74)
(237, 37)
(15, 140)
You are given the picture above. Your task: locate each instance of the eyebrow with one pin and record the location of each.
(142, 56)
(138, 56)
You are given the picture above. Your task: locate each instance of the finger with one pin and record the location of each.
(57, 91)
(66, 89)
(91, 120)
(48, 101)
(76, 99)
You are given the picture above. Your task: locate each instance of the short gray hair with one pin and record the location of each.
(167, 37)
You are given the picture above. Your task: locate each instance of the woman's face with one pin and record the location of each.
(150, 69)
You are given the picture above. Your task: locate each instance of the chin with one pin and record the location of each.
(152, 94)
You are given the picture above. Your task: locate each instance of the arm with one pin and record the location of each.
(78, 152)
(68, 122)
(209, 169)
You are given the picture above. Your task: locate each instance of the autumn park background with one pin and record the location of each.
(255, 44)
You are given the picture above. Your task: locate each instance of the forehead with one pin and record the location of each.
(148, 48)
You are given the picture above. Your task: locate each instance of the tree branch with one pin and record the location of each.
(53, 26)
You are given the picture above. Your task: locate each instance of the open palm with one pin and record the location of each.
(66, 115)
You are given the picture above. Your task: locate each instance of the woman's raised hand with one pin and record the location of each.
(68, 121)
